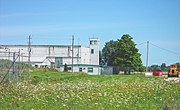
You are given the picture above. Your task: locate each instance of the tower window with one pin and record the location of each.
(92, 51)
(91, 42)
(69, 68)
(95, 42)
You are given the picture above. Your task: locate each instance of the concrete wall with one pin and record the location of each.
(40, 52)
(96, 69)
(46, 54)
(107, 70)
(94, 51)
(68, 60)
(85, 55)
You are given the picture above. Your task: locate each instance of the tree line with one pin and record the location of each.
(163, 67)
(124, 53)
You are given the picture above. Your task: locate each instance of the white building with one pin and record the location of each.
(85, 59)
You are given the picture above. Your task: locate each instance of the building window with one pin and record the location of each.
(95, 42)
(91, 42)
(92, 51)
(69, 68)
(90, 70)
(36, 66)
(80, 69)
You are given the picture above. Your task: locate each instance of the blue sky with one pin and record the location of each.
(55, 21)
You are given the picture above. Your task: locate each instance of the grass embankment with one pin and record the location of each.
(54, 91)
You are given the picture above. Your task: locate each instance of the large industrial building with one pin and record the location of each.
(83, 58)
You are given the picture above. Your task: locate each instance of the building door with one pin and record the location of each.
(58, 62)
(80, 69)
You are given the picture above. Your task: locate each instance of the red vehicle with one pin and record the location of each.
(157, 73)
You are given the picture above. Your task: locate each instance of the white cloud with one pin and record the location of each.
(45, 29)
(28, 14)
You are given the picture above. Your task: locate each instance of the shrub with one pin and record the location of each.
(65, 68)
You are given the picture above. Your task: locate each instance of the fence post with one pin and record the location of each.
(19, 67)
(9, 72)
(14, 77)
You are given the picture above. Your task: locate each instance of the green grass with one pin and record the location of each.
(54, 91)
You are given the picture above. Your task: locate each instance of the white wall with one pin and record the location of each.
(69, 60)
(82, 55)
(96, 69)
(39, 53)
(85, 55)
(94, 57)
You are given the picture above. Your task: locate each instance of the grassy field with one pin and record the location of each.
(66, 91)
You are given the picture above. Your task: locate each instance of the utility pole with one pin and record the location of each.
(72, 51)
(9, 60)
(147, 56)
(29, 50)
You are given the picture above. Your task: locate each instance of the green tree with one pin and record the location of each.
(163, 66)
(155, 67)
(178, 66)
(108, 53)
(101, 62)
(65, 68)
(123, 53)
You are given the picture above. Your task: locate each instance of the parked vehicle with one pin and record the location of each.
(173, 71)
(157, 73)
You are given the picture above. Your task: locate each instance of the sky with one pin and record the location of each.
(55, 21)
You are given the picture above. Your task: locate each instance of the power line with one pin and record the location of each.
(170, 51)
(142, 43)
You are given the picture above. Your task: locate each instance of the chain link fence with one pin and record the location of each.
(11, 67)
(119, 70)
(131, 70)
